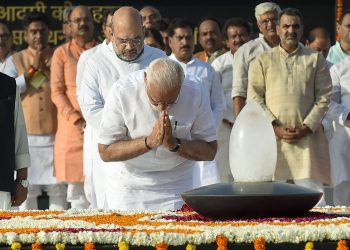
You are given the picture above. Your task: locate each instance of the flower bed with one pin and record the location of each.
(163, 229)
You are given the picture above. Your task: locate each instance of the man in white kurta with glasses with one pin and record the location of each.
(154, 138)
(266, 15)
(124, 54)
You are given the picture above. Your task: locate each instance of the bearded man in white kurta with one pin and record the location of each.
(292, 83)
(154, 137)
(124, 54)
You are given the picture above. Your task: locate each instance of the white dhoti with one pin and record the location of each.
(40, 174)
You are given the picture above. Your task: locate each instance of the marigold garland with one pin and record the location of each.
(16, 246)
(162, 246)
(89, 246)
(221, 241)
(60, 246)
(36, 246)
(190, 247)
(309, 246)
(342, 245)
(259, 243)
(122, 245)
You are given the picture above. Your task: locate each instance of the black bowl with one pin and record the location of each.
(251, 200)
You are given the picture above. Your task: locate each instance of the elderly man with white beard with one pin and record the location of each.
(154, 138)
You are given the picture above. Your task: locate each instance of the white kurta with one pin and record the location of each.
(339, 143)
(103, 68)
(336, 54)
(208, 171)
(3, 66)
(223, 65)
(241, 61)
(155, 179)
(88, 133)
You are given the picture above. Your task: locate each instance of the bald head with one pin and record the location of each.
(319, 40)
(127, 33)
(127, 17)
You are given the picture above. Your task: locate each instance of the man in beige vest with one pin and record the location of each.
(292, 83)
(32, 67)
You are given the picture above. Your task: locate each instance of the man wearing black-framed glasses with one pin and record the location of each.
(125, 53)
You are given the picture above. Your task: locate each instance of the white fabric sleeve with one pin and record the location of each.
(11, 70)
(90, 100)
(22, 158)
(113, 126)
(240, 74)
(217, 97)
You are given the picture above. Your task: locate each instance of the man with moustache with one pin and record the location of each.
(210, 38)
(124, 54)
(236, 32)
(293, 85)
(181, 42)
(31, 67)
(341, 49)
(154, 138)
(5, 45)
(266, 15)
(68, 150)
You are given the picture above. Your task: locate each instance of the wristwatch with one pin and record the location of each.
(23, 183)
(177, 147)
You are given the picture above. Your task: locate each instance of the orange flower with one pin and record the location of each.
(259, 243)
(161, 246)
(36, 246)
(342, 245)
(89, 246)
(221, 241)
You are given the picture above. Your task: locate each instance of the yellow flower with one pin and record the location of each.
(60, 246)
(309, 246)
(123, 245)
(190, 247)
(16, 246)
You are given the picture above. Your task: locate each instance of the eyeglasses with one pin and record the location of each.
(80, 19)
(134, 41)
(5, 36)
(157, 104)
(267, 20)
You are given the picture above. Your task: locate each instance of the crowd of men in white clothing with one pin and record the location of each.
(131, 126)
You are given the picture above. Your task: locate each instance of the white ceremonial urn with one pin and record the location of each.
(253, 149)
